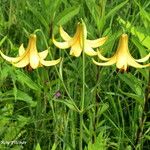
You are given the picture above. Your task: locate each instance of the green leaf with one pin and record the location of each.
(38, 147)
(145, 73)
(26, 98)
(20, 95)
(147, 137)
(15, 128)
(103, 108)
(54, 6)
(140, 47)
(54, 146)
(138, 98)
(143, 37)
(3, 39)
(69, 104)
(134, 83)
(66, 15)
(114, 10)
(39, 16)
(145, 16)
(128, 147)
(100, 143)
(23, 78)
(4, 72)
(3, 123)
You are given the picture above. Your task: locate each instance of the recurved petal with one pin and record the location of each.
(22, 63)
(64, 35)
(76, 50)
(143, 59)
(89, 51)
(108, 63)
(50, 63)
(100, 56)
(133, 63)
(11, 59)
(97, 42)
(43, 54)
(21, 50)
(62, 45)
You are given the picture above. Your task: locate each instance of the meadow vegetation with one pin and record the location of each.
(74, 105)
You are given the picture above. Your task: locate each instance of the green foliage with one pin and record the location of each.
(99, 144)
(38, 147)
(75, 105)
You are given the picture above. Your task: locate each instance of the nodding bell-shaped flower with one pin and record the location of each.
(79, 42)
(122, 57)
(30, 56)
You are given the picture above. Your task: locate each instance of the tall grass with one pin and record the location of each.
(75, 105)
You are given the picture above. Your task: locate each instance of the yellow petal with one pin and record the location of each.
(123, 45)
(21, 50)
(78, 36)
(133, 63)
(34, 59)
(97, 42)
(50, 63)
(143, 59)
(11, 59)
(23, 62)
(122, 62)
(43, 54)
(89, 51)
(83, 33)
(33, 54)
(76, 50)
(62, 45)
(100, 56)
(64, 35)
(108, 63)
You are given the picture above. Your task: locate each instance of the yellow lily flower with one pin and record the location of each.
(30, 56)
(79, 42)
(122, 57)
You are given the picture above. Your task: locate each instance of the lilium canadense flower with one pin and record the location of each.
(30, 56)
(79, 42)
(122, 57)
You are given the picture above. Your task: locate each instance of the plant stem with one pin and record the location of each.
(83, 97)
(96, 102)
(82, 102)
(143, 118)
(83, 84)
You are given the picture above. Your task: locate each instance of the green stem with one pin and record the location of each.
(83, 84)
(82, 101)
(81, 131)
(143, 118)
